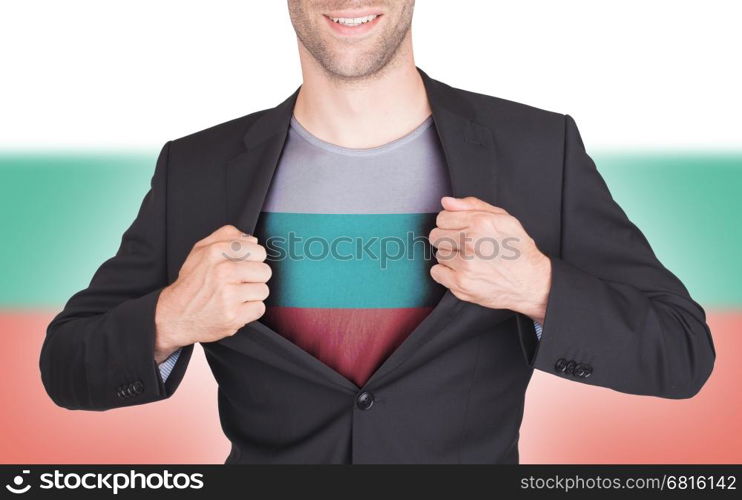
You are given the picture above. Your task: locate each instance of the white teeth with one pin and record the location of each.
(354, 21)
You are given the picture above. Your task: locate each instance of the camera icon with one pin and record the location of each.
(17, 486)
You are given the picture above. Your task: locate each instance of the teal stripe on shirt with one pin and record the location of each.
(348, 260)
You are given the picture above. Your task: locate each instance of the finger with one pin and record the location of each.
(239, 250)
(248, 292)
(469, 203)
(242, 272)
(443, 275)
(253, 272)
(464, 219)
(448, 219)
(250, 311)
(447, 238)
(451, 258)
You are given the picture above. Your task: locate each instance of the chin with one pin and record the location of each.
(353, 67)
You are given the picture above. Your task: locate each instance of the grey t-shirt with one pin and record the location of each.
(346, 232)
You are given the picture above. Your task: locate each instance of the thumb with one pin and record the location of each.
(469, 203)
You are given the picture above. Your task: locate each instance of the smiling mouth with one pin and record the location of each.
(353, 21)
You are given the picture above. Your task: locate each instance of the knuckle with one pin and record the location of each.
(223, 270)
(481, 222)
(465, 264)
(469, 244)
(460, 281)
(224, 296)
(229, 315)
(215, 250)
(446, 255)
(508, 222)
(451, 241)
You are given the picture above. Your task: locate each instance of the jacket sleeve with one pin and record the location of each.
(616, 317)
(99, 351)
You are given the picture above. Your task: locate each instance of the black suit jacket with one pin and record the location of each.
(454, 390)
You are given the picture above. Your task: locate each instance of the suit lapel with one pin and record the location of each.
(469, 150)
(249, 174)
(468, 146)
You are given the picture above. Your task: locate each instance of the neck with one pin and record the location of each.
(362, 113)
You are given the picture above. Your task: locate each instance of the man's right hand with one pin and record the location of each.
(220, 288)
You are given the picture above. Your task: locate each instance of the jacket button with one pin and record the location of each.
(138, 386)
(579, 370)
(587, 370)
(560, 365)
(569, 369)
(365, 400)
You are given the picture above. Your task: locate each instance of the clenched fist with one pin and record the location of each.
(220, 288)
(486, 257)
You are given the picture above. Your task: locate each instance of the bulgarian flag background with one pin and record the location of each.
(89, 94)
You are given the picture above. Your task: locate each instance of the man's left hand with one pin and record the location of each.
(486, 257)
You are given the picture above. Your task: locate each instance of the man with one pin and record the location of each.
(354, 353)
